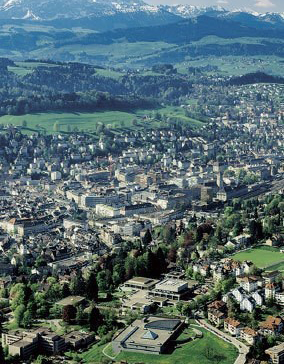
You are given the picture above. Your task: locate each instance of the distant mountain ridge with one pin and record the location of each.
(100, 15)
(126, 13)
(82, 30)
(73, 9)
(245, 17)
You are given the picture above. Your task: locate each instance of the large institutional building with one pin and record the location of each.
(152, 335)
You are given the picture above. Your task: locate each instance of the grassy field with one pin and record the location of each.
(235, 66)
(261, 256)
(278, 266)
(67, 121)
(121, 53)
(24, 68)
(189, 353)
(83, 121)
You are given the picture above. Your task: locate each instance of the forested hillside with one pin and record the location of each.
(74, 86)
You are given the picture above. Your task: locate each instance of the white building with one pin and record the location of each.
(55, 176)
(107, 211)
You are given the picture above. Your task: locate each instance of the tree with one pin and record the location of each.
(42, 360)
(65, 290)
(56, 126)
(186, 310)
(271, 340)
(42, 310)
(227, 284)
(104, 280)
(27, 319)
(2, 355)
(161, 261)
(233, 308)
(147, 239)
(18, 294)
(77, 284)
(256, 230)
(19, 314)
(209, 352)
(95, 319)
(168, 234)
(69, 313)
(238, 228)
(100, 128)
(80, 316)
(92, 287)
(151, 269)
(129, 267)
(54, 291)
(172, 255)
(118, 274)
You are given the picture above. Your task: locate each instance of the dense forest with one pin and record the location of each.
(255, 77)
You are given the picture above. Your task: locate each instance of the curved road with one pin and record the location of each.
(242, 348)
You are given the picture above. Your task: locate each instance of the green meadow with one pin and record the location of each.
(262, 257)
(87, 121)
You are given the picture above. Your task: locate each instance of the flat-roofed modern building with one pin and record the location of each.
(152, 335)
(26, 343)
(173, 289)
(72, 300)
(140, 283)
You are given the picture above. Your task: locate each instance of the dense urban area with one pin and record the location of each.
(159, 236)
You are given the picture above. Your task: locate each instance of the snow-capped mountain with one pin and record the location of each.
(125, 13)
(54, 9)
(246, 17)
(192, 11)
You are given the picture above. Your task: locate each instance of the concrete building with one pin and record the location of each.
(107, 211)
(151, 335)
(276, 354)
(78, 339)
(55, 176)
(141, 283)
(173, 289)
(26, 343)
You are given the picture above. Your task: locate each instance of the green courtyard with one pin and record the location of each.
(262, 257)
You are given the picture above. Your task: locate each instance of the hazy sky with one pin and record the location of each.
(261, 6)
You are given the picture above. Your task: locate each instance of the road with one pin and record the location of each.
(242, 348)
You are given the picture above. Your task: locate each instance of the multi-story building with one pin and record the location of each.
(27, 343)
(173, 289)
(232, 326)
(276, 354)
(249, 335)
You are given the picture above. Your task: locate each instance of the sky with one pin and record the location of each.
(260, 6)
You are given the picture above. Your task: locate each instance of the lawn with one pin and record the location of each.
(189, 353)
(94, 355)
(67, 121)
(261, 256)
(278, 266)
(85, 121)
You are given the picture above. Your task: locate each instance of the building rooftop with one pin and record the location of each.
(155, 331)
(275, 349)
(71, 300)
